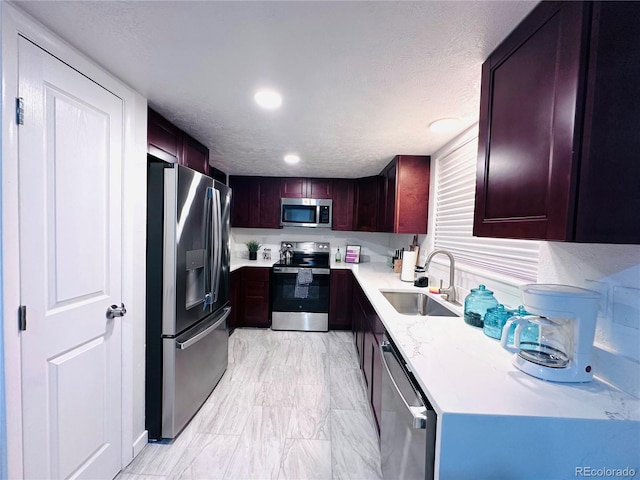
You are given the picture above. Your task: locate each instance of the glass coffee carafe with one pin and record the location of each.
(540, 340)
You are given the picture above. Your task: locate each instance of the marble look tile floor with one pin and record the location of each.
(291, 405)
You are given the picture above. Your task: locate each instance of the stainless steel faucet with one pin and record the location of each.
(450, 291)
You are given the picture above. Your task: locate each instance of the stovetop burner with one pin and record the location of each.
(305, 254)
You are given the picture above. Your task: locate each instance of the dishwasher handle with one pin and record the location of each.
(419, 414)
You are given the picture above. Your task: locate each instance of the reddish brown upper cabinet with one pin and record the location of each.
(365, 211)
(404, 195)
(195, 155)
(340, 299)
(294, 187)
(255, 202)
(164, 139)
(342, 204)
(558, 135)
(167, 142)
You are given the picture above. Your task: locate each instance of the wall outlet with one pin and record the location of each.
(626, 306)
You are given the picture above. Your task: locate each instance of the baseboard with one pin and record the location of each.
(140, 443)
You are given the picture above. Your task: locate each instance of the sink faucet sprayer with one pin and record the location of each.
(450, 291)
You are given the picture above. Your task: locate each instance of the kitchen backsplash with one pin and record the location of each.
(614, 271)
(374, 245)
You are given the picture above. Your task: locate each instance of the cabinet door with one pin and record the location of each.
(358, 317)
(164, 140)
(269, 203)
(293, 187)
(319, 188)
(409, 203)
(340, 295)
(387, 198)
(234, 297)
(525, 184)
(255, 297)
(608, 209)
(195, 155)
(244, 200)
(367, 361)
(376, 381)
(366, 204)
(342, 191)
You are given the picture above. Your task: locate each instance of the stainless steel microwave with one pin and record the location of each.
(305, 212)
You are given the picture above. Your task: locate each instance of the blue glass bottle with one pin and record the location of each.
(494, 320)
(476, 305)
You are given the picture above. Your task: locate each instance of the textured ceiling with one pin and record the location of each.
(361, 81)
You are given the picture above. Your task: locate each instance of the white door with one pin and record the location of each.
(70, 155)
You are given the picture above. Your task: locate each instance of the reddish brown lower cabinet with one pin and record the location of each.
(251, 293)
(234, 299)
(340, 300)
(376, 382)
(366, 325)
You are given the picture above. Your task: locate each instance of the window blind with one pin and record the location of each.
(455, 198)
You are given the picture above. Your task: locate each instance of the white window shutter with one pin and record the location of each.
(455, 198)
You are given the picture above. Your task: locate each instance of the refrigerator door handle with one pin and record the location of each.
(216, 245)
(196, 338)
(209, 241)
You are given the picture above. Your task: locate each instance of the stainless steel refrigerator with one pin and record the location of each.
(187, 294)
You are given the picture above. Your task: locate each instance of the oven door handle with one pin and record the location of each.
(294, 270)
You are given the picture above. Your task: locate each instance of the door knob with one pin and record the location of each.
(116, 311)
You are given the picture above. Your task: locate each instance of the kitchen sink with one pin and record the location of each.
(416, 303)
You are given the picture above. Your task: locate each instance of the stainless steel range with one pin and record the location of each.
(300, 287)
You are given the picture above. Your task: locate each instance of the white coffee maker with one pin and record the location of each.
(556, 342)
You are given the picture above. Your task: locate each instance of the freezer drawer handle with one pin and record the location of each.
(204, 333)
(114, 311)
(419, 414)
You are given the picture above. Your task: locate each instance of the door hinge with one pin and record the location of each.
(20, 111)
(22, 318)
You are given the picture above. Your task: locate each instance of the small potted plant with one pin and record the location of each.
(253, 248)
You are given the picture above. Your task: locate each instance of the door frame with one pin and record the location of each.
(15, 23)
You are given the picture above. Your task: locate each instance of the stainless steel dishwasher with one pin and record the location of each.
(408, 425)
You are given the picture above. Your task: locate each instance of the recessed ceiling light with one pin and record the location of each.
(268, 99)
(444, 125)
(291, 158)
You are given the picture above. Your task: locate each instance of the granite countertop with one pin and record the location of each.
(462, 371)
